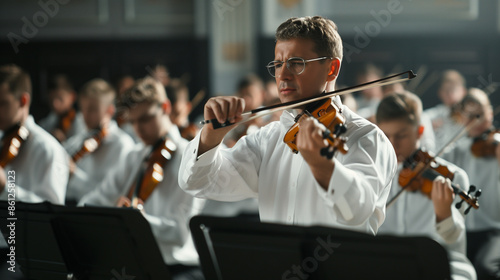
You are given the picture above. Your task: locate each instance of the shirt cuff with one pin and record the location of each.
(338, 186)
(206, 158)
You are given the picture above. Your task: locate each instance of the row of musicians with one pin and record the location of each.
(108, 175)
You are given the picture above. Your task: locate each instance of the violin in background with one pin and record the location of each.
(90, 144)
(11, 143)
(486, 144)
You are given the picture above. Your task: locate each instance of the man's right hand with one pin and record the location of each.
(224, 108)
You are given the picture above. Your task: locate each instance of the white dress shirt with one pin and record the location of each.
(41, 168)
(51, 122)
(445, 128)
(92, 168)
(261, 165)
(484, 173)
(167, 210)
(412, 214)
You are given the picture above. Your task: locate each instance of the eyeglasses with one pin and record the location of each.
(296, 65)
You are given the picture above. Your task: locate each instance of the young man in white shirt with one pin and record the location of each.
(483, 225)
(348, 191)
(451, 91)
(167, 208)
(63, 120)
(414, 212)
(94, 160)
(40, 170)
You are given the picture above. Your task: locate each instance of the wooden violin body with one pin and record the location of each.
(419, 172)
(153, 173)
(330, 115)
(11, 143)
(91, 144)
(486, 144)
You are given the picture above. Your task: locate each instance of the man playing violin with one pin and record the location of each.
(167, 208)
(413, 212)
(40, 168)
(63, 121)
(95, 150)
(483, 226)
(348, 191)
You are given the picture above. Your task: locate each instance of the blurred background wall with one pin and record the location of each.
(216, 42)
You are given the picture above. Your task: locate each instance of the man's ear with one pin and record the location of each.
(420, 131)
(25, 99)
(167, 107)
(334, 69)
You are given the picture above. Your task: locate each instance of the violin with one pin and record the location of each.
(328, 113)
(189, 132)
(329, 116)
(11, 143)
(419, 171)
(151, 173)
(66, 120)
(90, 144)
(486, 144)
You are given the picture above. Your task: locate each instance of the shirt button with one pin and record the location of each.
(294, 185)
(289, 218)
(194, 151)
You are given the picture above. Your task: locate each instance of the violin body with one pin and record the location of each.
(419, 172)
(91, 144)
(486, 144)
(327, 113)
(11, 143)
(66, 121)
(153, 173)
(412, 175)
(189, 132)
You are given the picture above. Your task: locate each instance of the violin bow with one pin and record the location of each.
(260, 112)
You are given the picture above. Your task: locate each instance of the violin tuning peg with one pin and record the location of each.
(467, 210)
(478, 193)
(458, 205)
(471, 189)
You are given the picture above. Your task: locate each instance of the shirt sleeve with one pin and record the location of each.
(361, 180)
(220, 174)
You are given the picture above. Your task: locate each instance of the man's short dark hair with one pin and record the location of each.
(322, 31)
(400, 106)
(18, 81)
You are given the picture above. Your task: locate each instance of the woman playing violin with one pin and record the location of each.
(96, 150)
(348, 190)
(414, 212)
(483, 227)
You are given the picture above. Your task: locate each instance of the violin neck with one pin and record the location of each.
(432, 174)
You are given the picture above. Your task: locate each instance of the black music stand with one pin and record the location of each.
(60, 242)
(234, 249)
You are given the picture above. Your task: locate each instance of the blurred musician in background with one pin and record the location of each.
(479, 155)
(39, 163)
(157, 194)
(451, 91)
(96, 150)
(63, 121)
(415, 213)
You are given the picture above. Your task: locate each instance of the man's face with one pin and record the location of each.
(483, 123)
(253, 95)
(10, 108)
(94, 111)
(451, 93)
(314, 78)
(403, 136)
(147, 118)
(61, 100)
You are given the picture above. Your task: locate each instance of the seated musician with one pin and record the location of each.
(63, 121)
(166, 207)
(39, 171)
(95, 150)
(413, 212)
(347, 191)
(479, 155)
